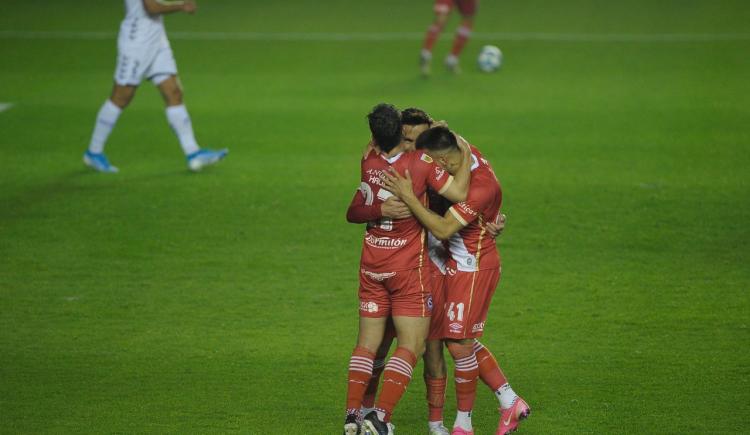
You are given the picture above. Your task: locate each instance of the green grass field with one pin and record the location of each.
(160, 301)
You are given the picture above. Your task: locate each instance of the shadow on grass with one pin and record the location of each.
(23, 199)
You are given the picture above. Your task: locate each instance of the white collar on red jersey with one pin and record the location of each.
(474, 162)
(393, 159)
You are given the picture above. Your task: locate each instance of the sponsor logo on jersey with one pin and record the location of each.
(466, 209)
(450, 271)
(439, 172)
(456, 327)
(477, 327)
(378, 276)
(385, 242)
(370, 307)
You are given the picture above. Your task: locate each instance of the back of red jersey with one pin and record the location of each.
(471, 248)
(393, 245)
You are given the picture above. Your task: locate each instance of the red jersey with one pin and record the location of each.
(471, 248)
(393, 245)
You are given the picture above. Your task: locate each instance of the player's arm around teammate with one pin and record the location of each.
(442, 227)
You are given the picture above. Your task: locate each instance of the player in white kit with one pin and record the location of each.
(143, 51)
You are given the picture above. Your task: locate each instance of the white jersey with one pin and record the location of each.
(139, 28)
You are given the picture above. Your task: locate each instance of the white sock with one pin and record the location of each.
(451, 60)
(426, 54)
(179, 120)
(435, 424)
(463, 420)
(105, 122)
(506, 396)
(364, 411)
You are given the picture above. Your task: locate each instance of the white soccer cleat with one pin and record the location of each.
(451, 63)
(442, 430)
(205, 157)
(98, 162)
(425, 63)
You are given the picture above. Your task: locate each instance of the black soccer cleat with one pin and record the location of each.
(351, 427)
(373, 426)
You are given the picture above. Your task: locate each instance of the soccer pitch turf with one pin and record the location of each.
(161, 301)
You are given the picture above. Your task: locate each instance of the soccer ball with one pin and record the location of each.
(490, 58)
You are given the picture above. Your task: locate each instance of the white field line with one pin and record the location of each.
(406, 36)
(5, 106)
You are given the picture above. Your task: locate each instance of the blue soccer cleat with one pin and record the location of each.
(205, 157)
(98, 162)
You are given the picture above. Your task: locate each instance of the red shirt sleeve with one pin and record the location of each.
(478, 199)
(437, 177)
(360, 213)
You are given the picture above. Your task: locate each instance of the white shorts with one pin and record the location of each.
(136, 62)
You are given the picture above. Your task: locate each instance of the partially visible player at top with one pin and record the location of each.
(472, 273)
(467, 9)
(393, 279)
(143, 52)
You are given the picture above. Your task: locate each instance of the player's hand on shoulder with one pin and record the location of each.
(394, 208)
(371, 146)
(396, 184)
(189, 6)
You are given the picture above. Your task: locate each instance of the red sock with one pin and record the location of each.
(360, 371)
(396, 378)
(462, 37)
(466, 373)
(489, 370)
(433, 32)
(368, 401)
(435, 397)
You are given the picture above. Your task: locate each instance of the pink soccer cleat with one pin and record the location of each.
(459, 431)
(509, 418)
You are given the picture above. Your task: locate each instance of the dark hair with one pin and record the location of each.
(437, 139)
(414, 116)
(385, 126)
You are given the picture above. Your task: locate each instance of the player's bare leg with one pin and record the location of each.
(459, 42)
(466, 374)
(435, 374)
(179, 119)
(106, 119)
(411, 333)
(513, 409)
(433, 32)
(122, 95)
(370, 335)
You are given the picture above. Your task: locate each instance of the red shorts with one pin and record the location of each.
(467, 8)
(438, 305)
(467, 300)
(402, 293)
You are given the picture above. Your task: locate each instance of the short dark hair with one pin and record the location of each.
(437, 139)
(415, 116)
(385, 126)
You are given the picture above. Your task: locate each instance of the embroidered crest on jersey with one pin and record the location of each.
(426, 158)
